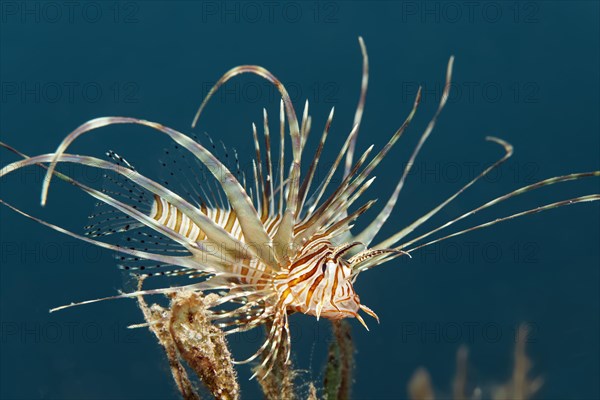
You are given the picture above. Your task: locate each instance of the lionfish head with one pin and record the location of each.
(321, 280)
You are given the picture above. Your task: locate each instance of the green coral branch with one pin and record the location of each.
(340, 362)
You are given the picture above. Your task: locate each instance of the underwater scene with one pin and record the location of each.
(300, 200)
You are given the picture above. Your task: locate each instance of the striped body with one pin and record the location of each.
(315, 282)
(170, 216)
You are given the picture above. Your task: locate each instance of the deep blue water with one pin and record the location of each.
(527, 72)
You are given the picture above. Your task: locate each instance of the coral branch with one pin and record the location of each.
(520, 387)
(202, 345)
(340, 365)
(419, 387)
(158, 323)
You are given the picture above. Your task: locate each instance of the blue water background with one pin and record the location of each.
(526, 72)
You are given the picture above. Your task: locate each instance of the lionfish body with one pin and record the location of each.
(315, 281)
(278, 245)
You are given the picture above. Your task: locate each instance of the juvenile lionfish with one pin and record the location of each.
(270, 249)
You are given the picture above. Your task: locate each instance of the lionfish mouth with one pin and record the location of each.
(239, 234)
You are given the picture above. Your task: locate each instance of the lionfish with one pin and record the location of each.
(270, 249)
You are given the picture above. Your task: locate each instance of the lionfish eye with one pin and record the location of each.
(324, 267)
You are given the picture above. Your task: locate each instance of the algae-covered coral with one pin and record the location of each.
(520, 386)
(191, 342)
(186, 334)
